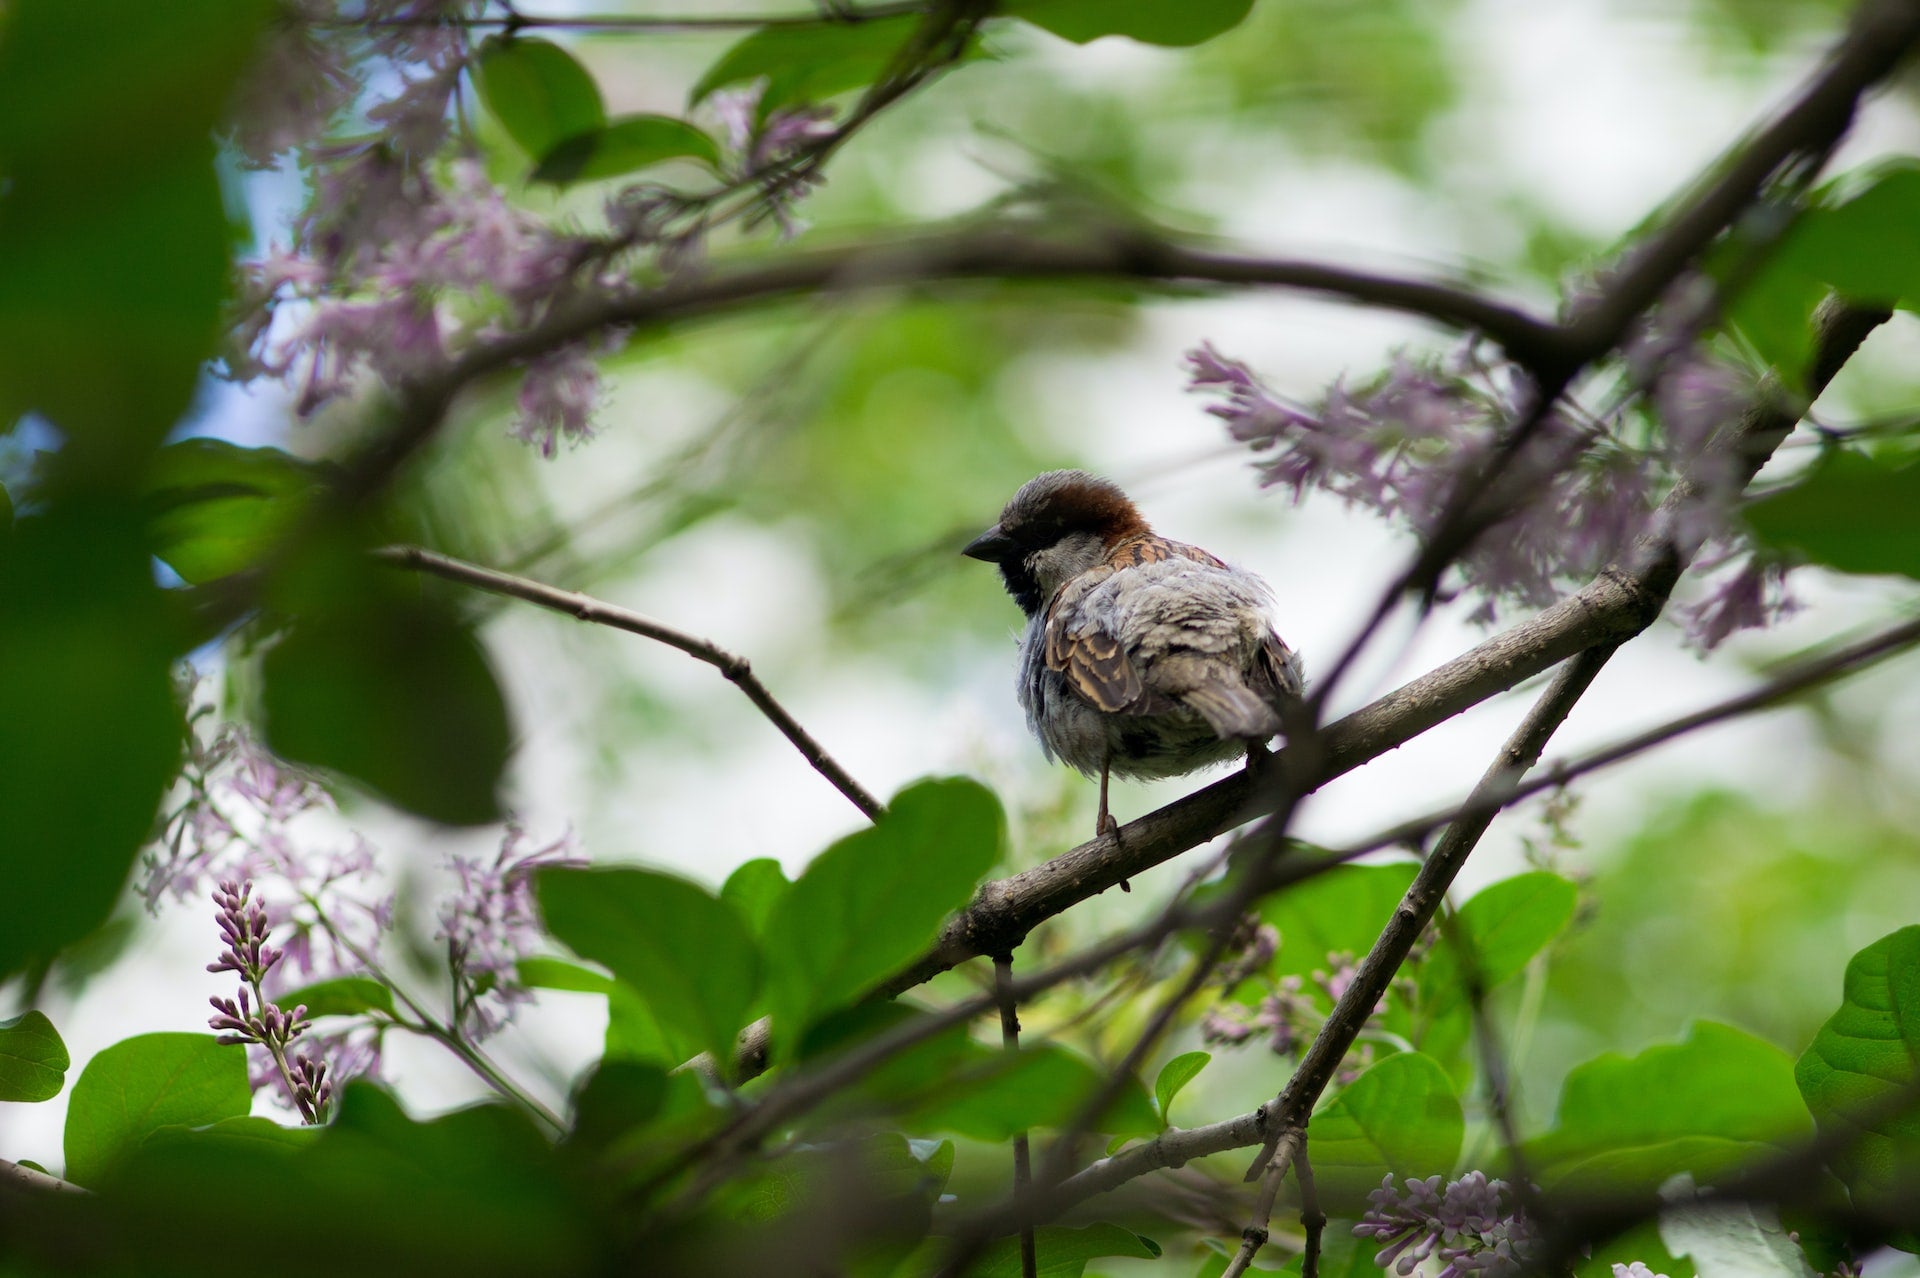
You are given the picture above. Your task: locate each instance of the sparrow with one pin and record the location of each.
(1142, 656)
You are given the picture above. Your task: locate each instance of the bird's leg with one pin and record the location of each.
(1106, 824)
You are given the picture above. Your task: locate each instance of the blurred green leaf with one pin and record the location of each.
(91, 736)
(33, 1060)
(1061, 1252)
(618, 1098)
(1863, 248)
(1176, 23)
(1641, 1243)
(396, 692)
(216, 508)
(341, 996)
(141, 1084)
(875, 900)
(1862, 1059)
(1341, 1256)
(1401, 1116)
(687, 955)
(992, 1095)
(1339, 912)
(1174, 1076)
(1502, 927)
(1734, 1238)
(1852, 513)
(558, 974)
(753, 889)
(1703, 1105)
(809, 63)
(242, 1131)
(626, 145)
(538, 92)
(115, 237)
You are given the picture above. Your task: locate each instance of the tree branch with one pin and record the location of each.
(15, 1177)
(581, 607)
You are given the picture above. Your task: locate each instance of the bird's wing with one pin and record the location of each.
(1088, 653)
(1279, 668)
(1151, 549)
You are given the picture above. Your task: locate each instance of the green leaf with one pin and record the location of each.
(90, 739)
(1734, 1238)
(558, 974)
(1852, 513)
(1502, 927)
(627, 145)
(1862, 247)
(245, 1132)
(33, 1060)
(139, 1085)
(1862, 1059)
(809, 63)
(115, 236)
(1703, 1105)
(1062, 1252)
(1175, 1075)
(617, 1099)
(540, 95)
(341, 996)
(753, 889)
(687, 955)
(992, 1095)
(1175, 23)
(1402, 1117)
(1341, 911)
(216, 508)
(395, 692)
(874, 901)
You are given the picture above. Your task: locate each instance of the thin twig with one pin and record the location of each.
(1022, 1147)
(1313, 1221)
(643, 22)
(586, 608)
(1254, 1236)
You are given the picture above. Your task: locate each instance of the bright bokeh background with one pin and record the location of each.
(794, 485)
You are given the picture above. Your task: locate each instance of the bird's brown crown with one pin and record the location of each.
(1060, 502)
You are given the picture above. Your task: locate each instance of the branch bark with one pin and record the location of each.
(737, 669)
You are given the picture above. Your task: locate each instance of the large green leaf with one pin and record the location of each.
(687, 955)
(1401, 1117)
(33, 1060)
(1852, 512)
(1061, 1252)
(139, 1085)
(626, 145)
(216, 508)
(1167, 22)
(1341, 911)
(753, 889)
(991, 1095)
(1501, 928)
(396, 692)
(874, 901)
(1867, 1054)
(538, 92)
(809, 63)
(115, 237)
(90, 734)
(1704, 1105)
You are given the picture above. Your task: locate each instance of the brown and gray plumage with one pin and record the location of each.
(1142, 657)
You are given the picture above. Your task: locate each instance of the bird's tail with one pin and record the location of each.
(1233, 711)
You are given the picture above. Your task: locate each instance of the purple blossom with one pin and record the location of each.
(1472, 1226)
(556, 401)
(1401, 444)
(334, 1058)
(292, 91)
(250, 1019)
(491, 923)
(1638, 1269)
(1751, 595)
(761, 149)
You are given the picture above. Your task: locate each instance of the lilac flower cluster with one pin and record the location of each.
(1290, 1013)
(250, 1018)
(491, 923)
(1638, 1269)
(1580, 490)
(1473, 1226)
(761, 150)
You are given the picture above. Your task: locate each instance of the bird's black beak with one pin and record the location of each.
(991, 546)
